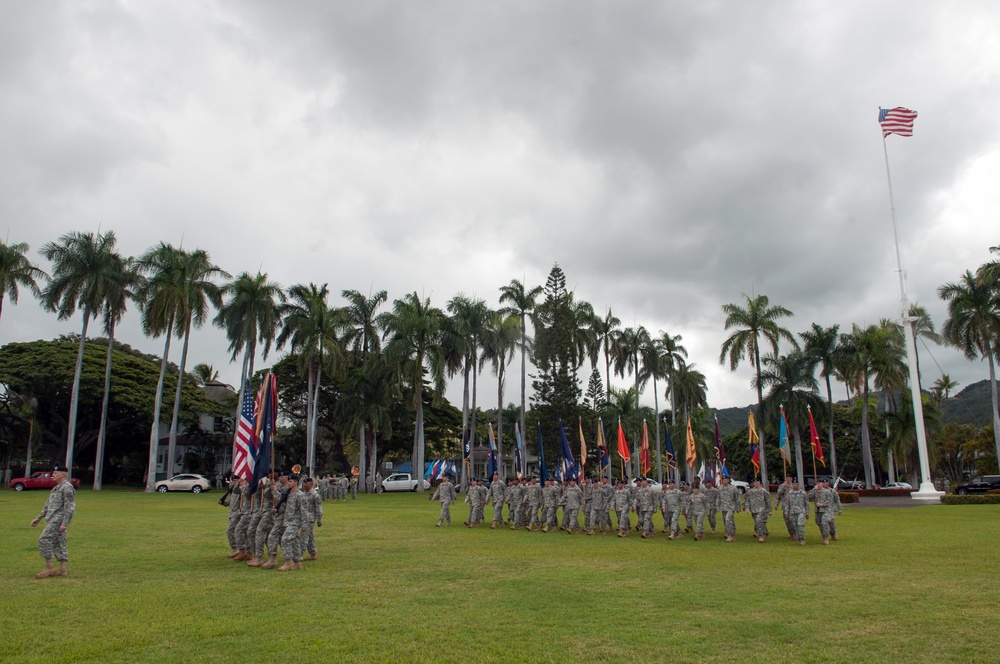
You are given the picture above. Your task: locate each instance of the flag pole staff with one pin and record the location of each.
(812, 445)
(927, 490)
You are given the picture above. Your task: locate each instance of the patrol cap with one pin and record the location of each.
(307, 480)
(59, 469)
(282, 473)
(293, 477)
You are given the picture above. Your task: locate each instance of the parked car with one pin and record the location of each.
(742, 486)
(402, 482)
(897, 485)
(184, 482)
(849, 485)
(39, 480)
(978, 485)
(653, 484)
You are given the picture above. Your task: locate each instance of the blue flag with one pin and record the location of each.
(518, 453)
(267, 409)
(568, 468)
(491, 462)
(543, 474)
(783, 439)
(668, 447)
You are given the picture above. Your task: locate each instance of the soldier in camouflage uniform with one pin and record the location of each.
(711, 493)
(588, 500)
(482, 494)
(758, 503)
(58, 513)
(295, 519)
(797, 503)
(697, 508)
(607, 504)
(673, 504)
(572, 500)
(551, 496)
(597, 507)
(827, 506)
(234, 514)
(645, 505)
(623, 503)
(783, 490)
(278, 493)
(837, 506)
(243, 525)
(446, 494)
(729, 504)
(515, 495)
(265, 523)
(498, 492)
(686, 507)
(533, 498)
(256, 512)
(313, 503)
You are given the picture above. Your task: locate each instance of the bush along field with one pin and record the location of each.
(149, 580)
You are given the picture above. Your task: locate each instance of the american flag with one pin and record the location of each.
(246, 437)
(897, 120)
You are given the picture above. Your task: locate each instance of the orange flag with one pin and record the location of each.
(814, 439)
(583, 447)
(692, 455)
(623, 444)
(644, 462)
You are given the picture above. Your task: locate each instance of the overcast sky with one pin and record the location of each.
(669, 156)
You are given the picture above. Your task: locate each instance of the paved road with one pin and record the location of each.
(872, 501)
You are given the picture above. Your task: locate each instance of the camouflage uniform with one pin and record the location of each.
(711, 494)
(58, 511)
(295, 519)
(515, 496)
(607, 504)
(533, 498)
(758, 503)
(796, 503)
(780, 500)
(234, 516)
(588, 501)
(242, 541)
(838, 507)
(446, 494)
(686, 509)
(479, 496)
(274, 538)
(550, 500)
(697, 508)
(265, 524)
(255, 514)
(623, 503)
(313, 502)
(672, 500)
(498, 491)
(645, 505)
(572, 501)
(729, 504)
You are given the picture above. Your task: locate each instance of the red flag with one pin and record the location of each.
(692, 454)
(644, 462)
(754, 440)
(623, 444)
(814, 439)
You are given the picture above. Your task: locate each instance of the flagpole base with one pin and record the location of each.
(927, 494)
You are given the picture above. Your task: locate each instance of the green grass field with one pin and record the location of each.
(150, 581)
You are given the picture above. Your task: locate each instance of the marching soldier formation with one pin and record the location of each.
(530, 505)
(280, 513)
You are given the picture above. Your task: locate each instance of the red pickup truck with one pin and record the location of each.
(38, 480)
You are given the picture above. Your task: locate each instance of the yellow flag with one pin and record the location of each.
(692, 455)
(752, 427)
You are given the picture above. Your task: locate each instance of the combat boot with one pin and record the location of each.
(312, 556)
(271, 562)
(243, 555)
(493, 526)
(256, 561)
(62, 571)
(299, 565)
(289, 565)
(48, 571)
(826, 540)
(234, 553)
(438, 524)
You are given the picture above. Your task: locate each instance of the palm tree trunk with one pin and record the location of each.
(154, 431)
(172, 440)
(500, 377)
(798, 454)
(993, 394)
(315, 421)
(607, 371)
(418, 468)
(866, 443)
(673, 400)
(829, 428)
(472, 419)
(760, 420)
(102, 432)
(656, 425)
(74, 401)
(464, 483)
(310, 384)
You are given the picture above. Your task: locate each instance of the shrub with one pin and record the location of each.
(986, 499)
(849, 496)
(993, 492)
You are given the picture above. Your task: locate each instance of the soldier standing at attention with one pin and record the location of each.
(797, 503)
(446, 494)
(783, 490)
(295, 519)
(573, 501)
(711, 493)
(354, 486)
(278, 493)
(697, 509)
(758, 503)
(58, 512)
(313, 502)
(234, 514)
(729, 504)
(498, 491)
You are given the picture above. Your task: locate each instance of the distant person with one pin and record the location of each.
(446, 494)
(58, 512)
(6, 477)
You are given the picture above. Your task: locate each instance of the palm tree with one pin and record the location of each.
(941, 390)
(414, 330)
(83, 273)
(199, 292)
(822, 345)
(606, 330)
(204, 374)
(692, 393)
(923, 328)
(973, 325)
(877, 353)
(628, 351)
(163, 295)
(16, 270)
(463, 332)
(654, 365)
(522, 303)
(673, 355)
(365, 404)
(313, 330)
(121, 289)
(363, 338)
(792, 382)
(250, 316)
(499, 342)
(588, 345)
(758, 319)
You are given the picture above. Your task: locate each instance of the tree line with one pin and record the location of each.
(366, 367)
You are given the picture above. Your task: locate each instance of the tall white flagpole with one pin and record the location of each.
(927, 492)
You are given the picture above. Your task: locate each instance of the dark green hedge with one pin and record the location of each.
(971, 500)
(849, 496)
